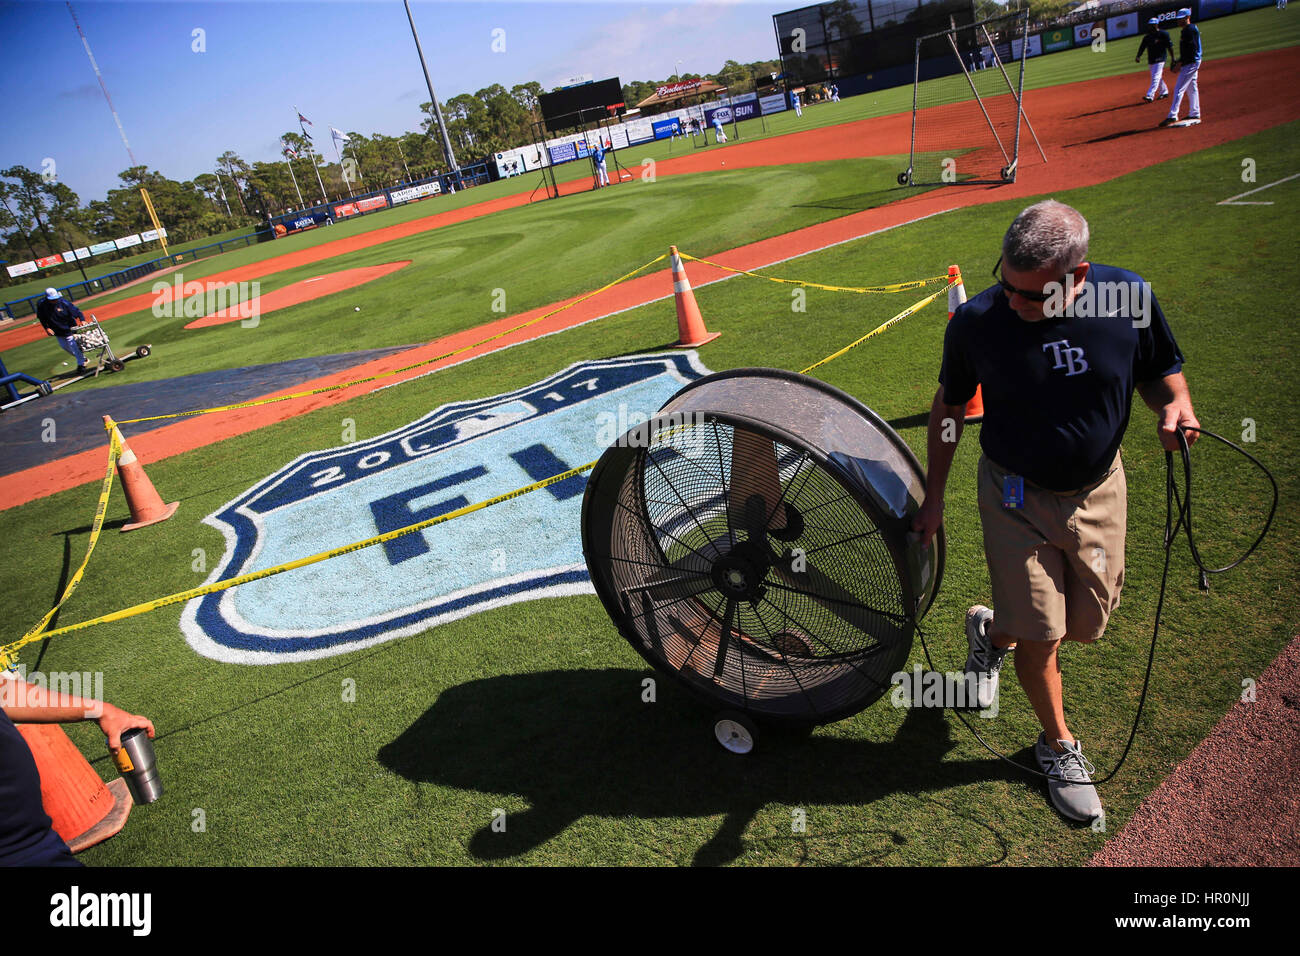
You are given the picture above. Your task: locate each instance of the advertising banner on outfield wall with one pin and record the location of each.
(1033, 48)
(127, 242)
(666, 128)
(639, 130)
(46, 261)
(372, 202)
(1083, 33)
(345, 209)
(564, 153)
(398, 196)
(618, 136)
(102, 247)
(1054, 40)
(1124, 26)
(722, 114)
(81, 252)
(772, 104)
(150, 235)
(22, 269)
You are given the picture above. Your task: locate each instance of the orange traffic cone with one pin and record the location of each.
(956, 296)
(83, 809)
(690, 324)
(146, 504)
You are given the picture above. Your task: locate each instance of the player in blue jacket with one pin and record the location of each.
(1158, 46)
(58, 316)
(1189, 59)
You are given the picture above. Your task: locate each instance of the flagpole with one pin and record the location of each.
(288, 163)
(402, 153)
(311, 152)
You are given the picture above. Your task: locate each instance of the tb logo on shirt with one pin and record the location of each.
(1070, 359)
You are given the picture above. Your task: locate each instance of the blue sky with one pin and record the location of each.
(347, 64)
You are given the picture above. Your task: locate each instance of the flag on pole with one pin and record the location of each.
(301, 120)
(288, 150)
(340, 136)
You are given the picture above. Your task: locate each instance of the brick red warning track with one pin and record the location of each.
(1093, 131)
(1235, 800)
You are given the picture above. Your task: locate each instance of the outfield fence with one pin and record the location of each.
(18, 308)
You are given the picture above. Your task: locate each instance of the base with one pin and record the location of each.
(698, 342)
(167, 513)
(113, 821)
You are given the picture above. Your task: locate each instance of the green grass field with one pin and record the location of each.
(535, 708)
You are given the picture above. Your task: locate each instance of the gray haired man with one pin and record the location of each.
(1058, 345)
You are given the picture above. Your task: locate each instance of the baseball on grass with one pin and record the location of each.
(356, 308)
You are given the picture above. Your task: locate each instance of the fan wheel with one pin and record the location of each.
(735, 732)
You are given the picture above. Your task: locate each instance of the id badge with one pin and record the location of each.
(1013, 492)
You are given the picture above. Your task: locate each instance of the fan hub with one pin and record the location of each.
(740, 575)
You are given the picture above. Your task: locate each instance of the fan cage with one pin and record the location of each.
(808, 641)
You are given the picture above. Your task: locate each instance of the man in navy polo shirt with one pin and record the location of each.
(1058, 345)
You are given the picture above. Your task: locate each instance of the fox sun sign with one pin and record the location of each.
(524, 548)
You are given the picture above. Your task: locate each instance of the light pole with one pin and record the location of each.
(437, 110)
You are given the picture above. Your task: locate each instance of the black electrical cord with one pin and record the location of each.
(1181, 506)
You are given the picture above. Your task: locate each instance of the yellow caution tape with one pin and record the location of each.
(398, 371)
(895, 287)
(101, 508)
(216, 586)
(877, 330)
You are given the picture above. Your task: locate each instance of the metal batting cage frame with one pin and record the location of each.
(996, 39)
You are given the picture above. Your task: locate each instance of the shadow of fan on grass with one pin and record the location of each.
(578, 743)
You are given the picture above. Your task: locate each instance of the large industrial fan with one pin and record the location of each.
(753, 540)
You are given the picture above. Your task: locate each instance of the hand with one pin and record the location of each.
(115, 720)
(929, 519)
(48, 332)
(1171, 416)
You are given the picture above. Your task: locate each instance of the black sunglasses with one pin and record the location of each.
(1009, 289)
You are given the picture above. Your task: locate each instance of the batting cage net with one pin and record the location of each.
(966, 103)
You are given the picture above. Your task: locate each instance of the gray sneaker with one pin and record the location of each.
(1071, 789)
(983, 659)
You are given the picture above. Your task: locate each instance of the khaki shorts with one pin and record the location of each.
(1057, 564)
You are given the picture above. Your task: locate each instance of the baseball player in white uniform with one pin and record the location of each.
(1189, 60)
(798, 107)
(1157, 46)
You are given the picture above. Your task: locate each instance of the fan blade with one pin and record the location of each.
(754, 471)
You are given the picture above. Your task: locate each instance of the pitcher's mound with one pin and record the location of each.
(299, 292)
